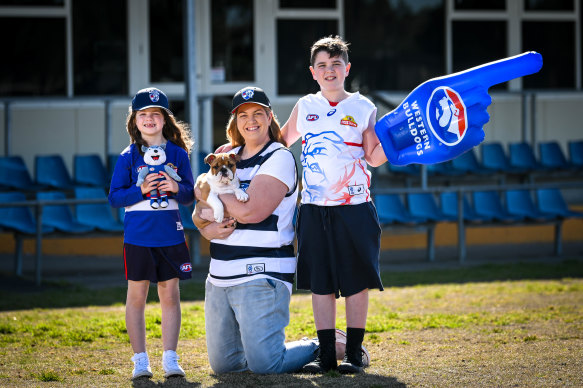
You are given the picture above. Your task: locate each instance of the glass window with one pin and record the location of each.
(166, 43)
(33, 3)
(307, 4)
(294, 39)
(487, 44)
(221, 115)
(232, 41)
(402, 46)
(553, 40)
(33, 58)
(100, 63)
(482, 5)
(548, 5)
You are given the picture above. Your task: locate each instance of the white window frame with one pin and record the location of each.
(50, 12)
(514, 15)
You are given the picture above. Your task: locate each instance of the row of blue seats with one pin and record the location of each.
(51, 172)
(66, 218)
(487, 206)
(520, 159)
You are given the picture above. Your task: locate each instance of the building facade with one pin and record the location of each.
(70, 67)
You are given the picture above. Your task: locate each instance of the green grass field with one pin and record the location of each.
(495, 325)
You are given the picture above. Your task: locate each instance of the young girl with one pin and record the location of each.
(154, 245)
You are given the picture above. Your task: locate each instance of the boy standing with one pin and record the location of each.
(338, 230)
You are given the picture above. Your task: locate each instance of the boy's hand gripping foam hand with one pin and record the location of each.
(443, 117)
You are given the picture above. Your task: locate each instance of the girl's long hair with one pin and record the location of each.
(178, 132)
(237, 140)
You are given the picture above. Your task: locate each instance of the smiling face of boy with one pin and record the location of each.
(329, 72)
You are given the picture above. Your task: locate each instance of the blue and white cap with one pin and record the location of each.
(250, 95)
(150, 98)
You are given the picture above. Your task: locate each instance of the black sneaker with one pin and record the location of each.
(351, 364)
(325, 361)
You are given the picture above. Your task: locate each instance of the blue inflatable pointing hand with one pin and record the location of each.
(443, 117)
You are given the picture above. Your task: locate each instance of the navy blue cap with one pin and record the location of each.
(150, 98)
(250, 94)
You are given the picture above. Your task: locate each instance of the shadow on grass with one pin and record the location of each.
(18, 294)
(331, 379)
(171, 382)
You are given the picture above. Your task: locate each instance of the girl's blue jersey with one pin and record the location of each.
(144, 225)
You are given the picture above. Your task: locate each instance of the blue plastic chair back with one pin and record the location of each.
(60, 216)
(576, 153)
(51, 171)
(488, 204)
(551, 201)
(14, 174)
(111, 162)
(494, 157)
(423, 205)
(519, 203)
(98, 215)
(390, 209)
(186, 216)
(522, 156)
(18, 218)
(89, 170)
(449, 207)
(551, 156)
(409, 169)
(467, 163)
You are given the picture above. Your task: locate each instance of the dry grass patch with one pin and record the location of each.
(521, 333)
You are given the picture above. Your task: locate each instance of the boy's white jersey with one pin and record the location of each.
(334, 170)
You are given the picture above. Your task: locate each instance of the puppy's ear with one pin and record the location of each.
(235, 157)
(209, 158)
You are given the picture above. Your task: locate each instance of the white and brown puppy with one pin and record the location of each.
(220, 179)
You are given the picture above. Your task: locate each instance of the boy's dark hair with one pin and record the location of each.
(335, 46)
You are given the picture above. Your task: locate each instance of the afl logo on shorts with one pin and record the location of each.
(312, 117)
(447, 115)
(154, 95)
(186, 267)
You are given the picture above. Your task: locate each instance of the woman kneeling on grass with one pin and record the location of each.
(252, 266)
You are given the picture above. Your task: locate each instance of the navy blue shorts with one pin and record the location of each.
(157, 264)
(338, 249)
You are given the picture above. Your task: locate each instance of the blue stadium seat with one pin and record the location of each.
(60, 217)
(18, 218)
(391, 210)
(494, 158)
(552, 157)
(14, 174)
(522, 157)
(98, 215)
(551, 201)
(409, 170)
(50, 170)
(423, 205)
(89, 170)
(519, 203)
(488, 204)
(449, 207)
(467, 163)
(186, 216)
(576, 153)
(111, 162)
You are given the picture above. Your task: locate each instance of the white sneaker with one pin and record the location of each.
(341, 338)
(170, 363)
(141, 365)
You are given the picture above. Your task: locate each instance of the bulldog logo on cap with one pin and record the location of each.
(247, 94)
(154, 95)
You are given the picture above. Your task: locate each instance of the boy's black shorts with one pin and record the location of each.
(157, 264)
(338, 249)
